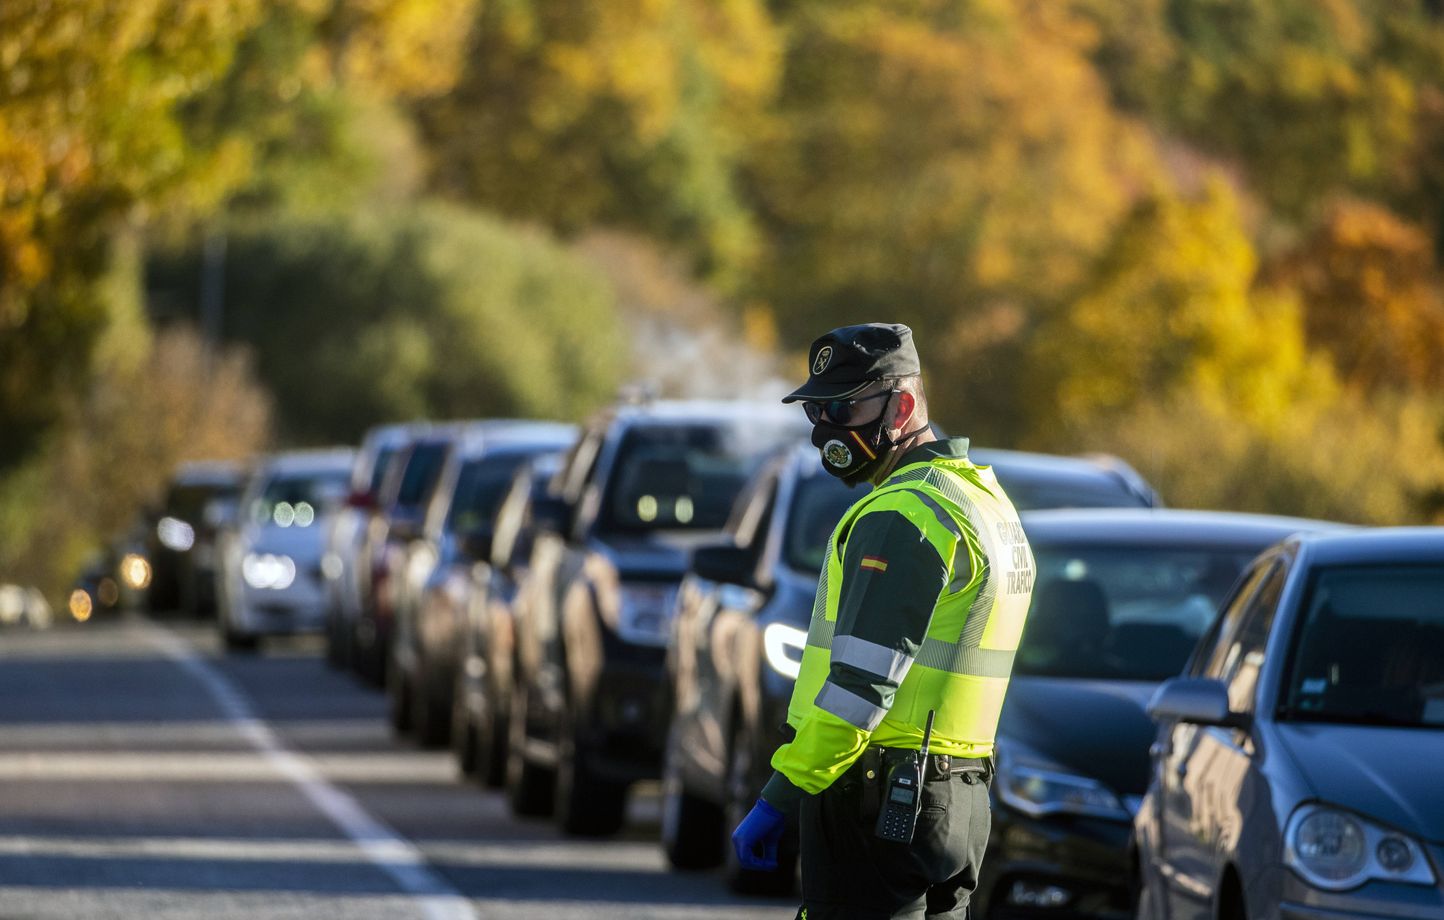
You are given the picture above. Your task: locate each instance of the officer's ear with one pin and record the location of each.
(906, 403)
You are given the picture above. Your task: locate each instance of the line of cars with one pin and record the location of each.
(576, 609)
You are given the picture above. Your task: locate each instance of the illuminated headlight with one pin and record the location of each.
(783, 646)
(135, 571)
(264, 570)
(175, 534)
(644, 613)
(1332, 849)
(1039, 791)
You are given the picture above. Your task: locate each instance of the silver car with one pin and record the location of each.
(270, 579)
(1299, 768)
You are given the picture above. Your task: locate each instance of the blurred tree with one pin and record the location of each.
(89, 93)
(428, 311)
(953, 166)
(1310, 97)
(630, 113)
(1171, 309)
(1371, 292)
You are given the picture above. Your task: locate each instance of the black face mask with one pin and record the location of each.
(851, 454)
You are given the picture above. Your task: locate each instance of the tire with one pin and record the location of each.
(741, 795)
(530, 789)
(430, 721)
(239, 642)
(398, 700)
(693, 829)
(493, 736)
(587, 805)
(336, 656)
(463, 731)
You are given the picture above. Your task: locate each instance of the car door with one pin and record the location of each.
(1205, 774)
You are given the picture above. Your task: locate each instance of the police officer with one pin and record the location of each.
(919, 609)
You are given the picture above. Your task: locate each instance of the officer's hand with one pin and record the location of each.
(763, 828)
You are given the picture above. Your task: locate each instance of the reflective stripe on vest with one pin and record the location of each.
(963, 665)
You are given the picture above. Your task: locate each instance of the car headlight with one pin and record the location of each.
(783, 647)
(267, 570)
(175, 534)
(1040, 790)
(644, 612)
(1335, 850)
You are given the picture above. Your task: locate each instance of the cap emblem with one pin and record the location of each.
(824, 358)
(836, 454)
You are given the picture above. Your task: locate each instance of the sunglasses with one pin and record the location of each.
(840, 411)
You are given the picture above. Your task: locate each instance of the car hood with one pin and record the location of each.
(1389, 774)
(1093, 728)
(664, 555)
(297, 542)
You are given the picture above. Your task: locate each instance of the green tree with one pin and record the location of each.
(427, 311)
(629, 113)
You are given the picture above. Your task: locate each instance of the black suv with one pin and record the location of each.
(742, 620)
(643, 486)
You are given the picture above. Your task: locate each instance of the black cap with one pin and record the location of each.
(845, 360)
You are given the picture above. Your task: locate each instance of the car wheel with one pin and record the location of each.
(693, 832)
(588, 805)
(741, 795)
(335, 652)
(493, 734)
(430, 721)
(239, 642)
(1230, 899)
(530, 788)
(398, 699)
(463, 728)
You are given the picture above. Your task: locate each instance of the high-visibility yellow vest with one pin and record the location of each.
(962, 668)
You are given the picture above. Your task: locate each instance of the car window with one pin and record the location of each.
(1245, 654)
(1369, 648)
(298, 499)
(1032, 490)
(1208, 660)
(682, 476)
(419, 476)
(818, 503)
(480, 487)
(1123, 612)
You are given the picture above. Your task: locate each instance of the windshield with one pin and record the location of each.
(188, 502)
(420, 474)
(1370, 648)
(1123, 612)
(297, 500)
(684, 477)
(480, 487)
(817, 505)
(384, 456)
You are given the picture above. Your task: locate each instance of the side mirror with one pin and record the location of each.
(725, 564)
(361, 500)
(551, 513)
(1196, 700)
(475, 546)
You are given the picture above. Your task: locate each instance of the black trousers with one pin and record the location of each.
(848, 872)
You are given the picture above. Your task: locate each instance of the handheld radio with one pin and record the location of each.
(904, 800)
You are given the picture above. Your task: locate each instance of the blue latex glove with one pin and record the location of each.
(762, 827)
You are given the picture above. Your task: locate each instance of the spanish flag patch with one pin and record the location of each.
(874, 562)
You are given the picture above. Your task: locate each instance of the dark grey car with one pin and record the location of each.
(1299, 767)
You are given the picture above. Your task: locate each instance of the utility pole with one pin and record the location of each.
(213, 293)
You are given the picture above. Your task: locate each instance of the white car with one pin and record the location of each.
(270, 580)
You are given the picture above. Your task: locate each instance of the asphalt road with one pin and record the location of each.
(145, 774)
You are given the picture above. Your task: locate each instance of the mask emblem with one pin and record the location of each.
(836, 454)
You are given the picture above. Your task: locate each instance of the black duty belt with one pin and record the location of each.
(874, 760)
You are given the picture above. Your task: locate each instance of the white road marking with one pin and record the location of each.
(386, 849)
